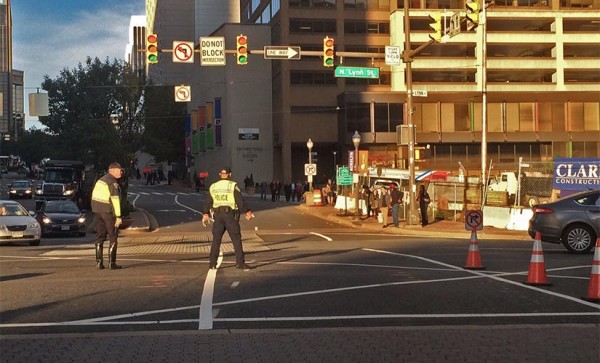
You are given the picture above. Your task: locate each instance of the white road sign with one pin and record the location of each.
(310, 169)
(183, 93)
(282, 52)
(212, 51)
(183, 52)
(419, 93)
(473, 220)
(392, 55)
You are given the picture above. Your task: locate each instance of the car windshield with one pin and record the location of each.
(62, 208)
(20, 185)
(12, 210)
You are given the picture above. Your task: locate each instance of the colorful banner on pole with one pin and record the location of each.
(218, 134)
(210, 131)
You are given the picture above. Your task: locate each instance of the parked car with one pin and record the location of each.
(20, 189)
(17, 224)
(573, 221)
(61, 216)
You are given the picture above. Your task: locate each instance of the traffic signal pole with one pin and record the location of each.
(407, 57)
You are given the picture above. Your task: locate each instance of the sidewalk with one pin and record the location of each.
(437, 228)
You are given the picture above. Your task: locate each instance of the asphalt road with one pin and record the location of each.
(310, 274)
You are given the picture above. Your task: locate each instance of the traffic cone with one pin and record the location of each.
(537, 267)
(594, 289)
(473, 257)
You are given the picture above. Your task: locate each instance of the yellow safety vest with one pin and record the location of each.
(222, 193)
(101, 194)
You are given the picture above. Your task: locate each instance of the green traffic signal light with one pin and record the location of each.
(152, 48)
(242, 49)
(328, 51)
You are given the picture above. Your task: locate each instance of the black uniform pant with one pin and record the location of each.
(105, 228)
(226, 221)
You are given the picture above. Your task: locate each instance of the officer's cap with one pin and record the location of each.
(114, 165)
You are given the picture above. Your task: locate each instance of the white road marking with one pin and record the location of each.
(185, 206)
(322, 236)
(205, 320)
(234, 285)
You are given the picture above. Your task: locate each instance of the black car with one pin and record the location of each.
(61, 216)
(573, 221)
(20, 189)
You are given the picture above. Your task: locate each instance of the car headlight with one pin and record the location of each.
(12, 191)
(28, 192)
(68, 192)
(34, 224)
(81, 220)
(39, 192)
(46, 220)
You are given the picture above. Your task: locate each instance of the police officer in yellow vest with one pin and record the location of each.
(225, 200)
(106, 206)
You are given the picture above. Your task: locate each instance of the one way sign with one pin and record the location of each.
(282, 52)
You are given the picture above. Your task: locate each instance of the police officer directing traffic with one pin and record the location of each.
(106, 206)
(225, 199)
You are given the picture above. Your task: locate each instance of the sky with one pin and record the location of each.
(51, 35)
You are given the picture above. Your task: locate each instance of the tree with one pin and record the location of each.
(164, 127)
(94, 112)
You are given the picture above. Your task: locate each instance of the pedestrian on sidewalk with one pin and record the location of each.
(106, 205)
(396, 197)
(226, 201)
(424, 200)
(386, 200)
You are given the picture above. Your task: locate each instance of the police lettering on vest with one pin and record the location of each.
(222, 193)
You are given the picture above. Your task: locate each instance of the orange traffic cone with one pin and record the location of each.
(473, 257)
(594, 289)
(537, 267)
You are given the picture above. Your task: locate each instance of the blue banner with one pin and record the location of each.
(576, 174)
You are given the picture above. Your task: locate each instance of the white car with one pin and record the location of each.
(17, 224)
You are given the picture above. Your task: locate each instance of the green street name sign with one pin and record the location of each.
(356, 72)
(344, 176)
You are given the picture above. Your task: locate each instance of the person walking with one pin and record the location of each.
(396, 201)
(423, 200)
(225, 199)
(106, 205)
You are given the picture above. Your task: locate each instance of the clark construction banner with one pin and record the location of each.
(576, 174)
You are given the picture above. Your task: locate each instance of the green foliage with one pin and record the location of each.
(165, 118)
(93, 113)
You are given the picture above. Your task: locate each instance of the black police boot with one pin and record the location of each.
(99, 260)
(112, 258)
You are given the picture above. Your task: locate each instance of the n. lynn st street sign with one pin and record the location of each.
(356, 72)
(282, 52)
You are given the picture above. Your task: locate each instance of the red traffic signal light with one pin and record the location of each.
(241, 52)
(328, 51)
(152, 48)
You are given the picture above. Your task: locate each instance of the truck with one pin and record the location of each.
(535, 188)
(65, 180)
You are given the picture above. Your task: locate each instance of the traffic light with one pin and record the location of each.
(436, 26)
(473, 9)
(241, 51)
(328, 51)
(152, 48)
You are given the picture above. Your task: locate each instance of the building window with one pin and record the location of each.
(385, 78)
(367, 4)
(366, 27)
(312, 4)
(312, 78)
(312, 26)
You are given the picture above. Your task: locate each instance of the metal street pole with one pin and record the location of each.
(483, 22)
(412, 210)
(309, 145)
(356, 142)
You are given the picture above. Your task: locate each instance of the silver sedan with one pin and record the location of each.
(17, 224)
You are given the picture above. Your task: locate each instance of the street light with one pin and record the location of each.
(356, 142)
(309, 145)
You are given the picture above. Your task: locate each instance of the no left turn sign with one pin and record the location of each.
(183, 52)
